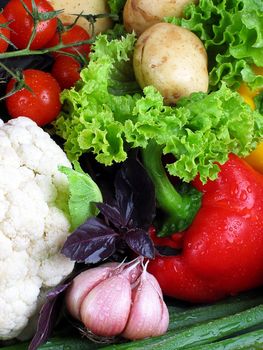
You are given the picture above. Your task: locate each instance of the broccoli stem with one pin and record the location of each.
(180, 206)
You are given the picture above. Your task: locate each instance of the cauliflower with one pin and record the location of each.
(34, 221)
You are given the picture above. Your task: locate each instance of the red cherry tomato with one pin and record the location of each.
(42, 104)
(3, 32)
(66, 71)
(74, 34)
(22, 23)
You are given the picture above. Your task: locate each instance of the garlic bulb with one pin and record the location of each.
(122, 299)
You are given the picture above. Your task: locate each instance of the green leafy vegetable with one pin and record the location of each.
(117, 32)
(259, 102)
(116, 6)
(231, 31)
(202, 130)
(93, 117)
(101, 117)
(83, 192)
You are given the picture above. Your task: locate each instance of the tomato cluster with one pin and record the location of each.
(32, 26)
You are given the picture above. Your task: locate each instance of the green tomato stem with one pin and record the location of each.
(26, 52)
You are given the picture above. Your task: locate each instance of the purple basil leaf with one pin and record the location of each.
(48, 316)
(140, 242)
(111, 213)
(135, 194)
(91, 242)
(124, 198)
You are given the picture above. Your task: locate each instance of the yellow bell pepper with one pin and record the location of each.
(248, 95)
(255, 158)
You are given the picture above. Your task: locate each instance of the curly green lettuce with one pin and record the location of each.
(232, 32)
(116, 6)
(94, 112)
(102, 116)
(202, 130)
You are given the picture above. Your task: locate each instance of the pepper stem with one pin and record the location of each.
(179, 206)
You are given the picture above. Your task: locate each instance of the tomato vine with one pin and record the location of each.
(38, 17)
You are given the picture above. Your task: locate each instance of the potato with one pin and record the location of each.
(93, 7)
(171, 58)
(139, 15)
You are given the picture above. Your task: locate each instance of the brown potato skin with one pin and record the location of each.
(138, 15)
(173, 60)
(88, 7)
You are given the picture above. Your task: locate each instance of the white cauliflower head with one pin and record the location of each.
(33, 221)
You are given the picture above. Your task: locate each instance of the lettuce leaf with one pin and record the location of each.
(232, 32)
(116, 6)
(94, 111)
(117, 32)
(202, 130)
(83, 192)
(259, 102)
(116, 9)
(99, 116)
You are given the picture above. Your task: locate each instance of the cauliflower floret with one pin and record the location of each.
(34, 222)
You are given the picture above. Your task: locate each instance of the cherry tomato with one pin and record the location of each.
(3, 32)
(66, 71)
(22, 23)
(74, 34)
(42, 104)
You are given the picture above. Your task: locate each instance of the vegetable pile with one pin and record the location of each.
(204, 129)
(132, 183)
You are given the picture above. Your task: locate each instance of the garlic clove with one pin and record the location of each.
(164, 322)
(105, 310)
(83, 284)
(132, 271)
(154, 283)
(147, 311)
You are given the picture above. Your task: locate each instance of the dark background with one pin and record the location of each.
(3, 3)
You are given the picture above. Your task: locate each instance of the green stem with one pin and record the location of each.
(26, 52)
(200, 334)
(179, 207)
(59, 344)
(9, 71)
(168, 198)
(248, 341)
(33, 35)
(230, 306)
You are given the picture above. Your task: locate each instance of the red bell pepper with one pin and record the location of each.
(222, 250)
